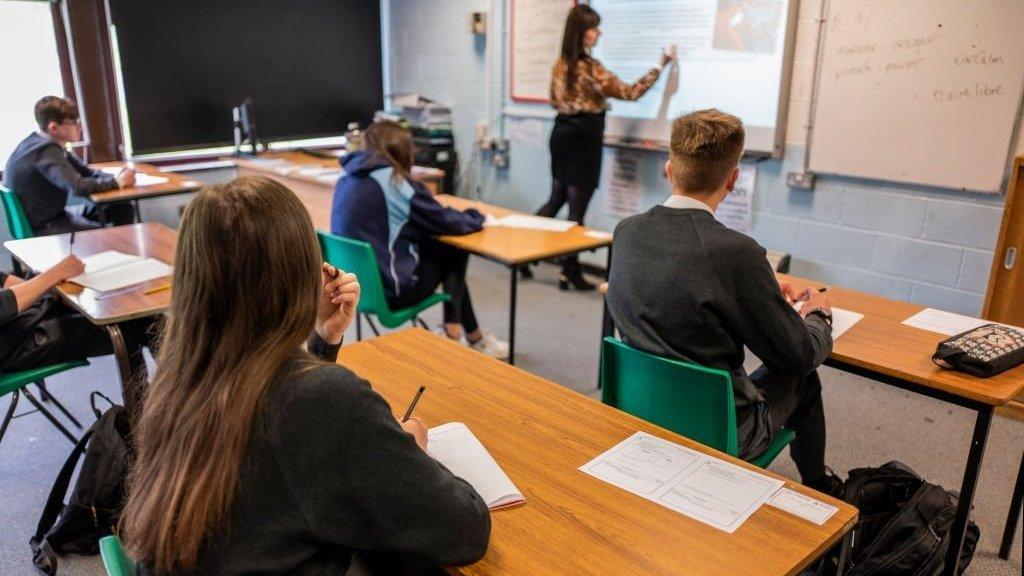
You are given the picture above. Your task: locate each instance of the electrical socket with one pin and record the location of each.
(802, 180)
(483, 135)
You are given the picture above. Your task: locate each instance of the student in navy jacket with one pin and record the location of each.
(43, 174)
(378, 202)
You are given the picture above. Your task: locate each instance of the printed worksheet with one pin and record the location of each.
(715, 492)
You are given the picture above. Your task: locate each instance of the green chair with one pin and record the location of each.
(16, 383)
(357, 257)
(115, 561)
(691, 400)
(17, 222)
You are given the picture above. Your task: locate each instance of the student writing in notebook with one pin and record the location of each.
(257, 455)
(683, 285)
(36, 329)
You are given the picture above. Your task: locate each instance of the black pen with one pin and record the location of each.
(824, 289)
(412, 406)
(71, 245)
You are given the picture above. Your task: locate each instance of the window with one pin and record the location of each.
(30, 66)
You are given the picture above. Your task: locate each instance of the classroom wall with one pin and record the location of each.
(930, 246)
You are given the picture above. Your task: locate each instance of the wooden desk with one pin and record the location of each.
(315, 193)
(152, 240)
(882, 348)
(572, 523)
(513, 247)
(176, 184)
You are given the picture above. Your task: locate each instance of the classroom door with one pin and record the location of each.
(1003, 302)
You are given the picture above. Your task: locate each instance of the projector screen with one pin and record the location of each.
(310, 67)
(734, 55)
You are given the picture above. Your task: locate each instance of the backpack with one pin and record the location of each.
(904, 524)
(94, 507)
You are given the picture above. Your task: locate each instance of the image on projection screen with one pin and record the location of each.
(730, 57)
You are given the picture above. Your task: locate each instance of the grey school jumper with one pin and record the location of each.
(684, 286)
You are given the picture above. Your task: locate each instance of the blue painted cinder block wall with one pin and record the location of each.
(929, 246)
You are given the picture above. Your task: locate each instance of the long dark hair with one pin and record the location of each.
(246, 276)
(581, 18)
(394, 143)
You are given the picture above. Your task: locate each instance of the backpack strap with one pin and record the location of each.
(42, 555)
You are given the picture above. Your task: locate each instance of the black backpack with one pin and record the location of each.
(904, 524)
(94, 506)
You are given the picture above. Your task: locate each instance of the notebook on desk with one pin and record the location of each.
(111, 270)
(455, 446)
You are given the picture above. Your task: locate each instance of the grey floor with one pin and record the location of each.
(869, 423)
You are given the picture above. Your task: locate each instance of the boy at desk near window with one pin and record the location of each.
(36, 330)
(684, 286)
(42, 172)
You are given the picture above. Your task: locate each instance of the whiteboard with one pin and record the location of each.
(537, 27)
(919, 91)
(734, 55)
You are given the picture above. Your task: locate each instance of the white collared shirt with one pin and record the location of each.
(678, 201)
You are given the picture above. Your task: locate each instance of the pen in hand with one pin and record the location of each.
(71, 245)
(415, 400)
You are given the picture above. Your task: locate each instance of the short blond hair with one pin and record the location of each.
(706, 145)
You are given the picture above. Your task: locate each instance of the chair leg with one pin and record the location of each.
(39, 406)
(45, 396)
(359, 327)
(422, 323)
(373, 326)
(10, 414)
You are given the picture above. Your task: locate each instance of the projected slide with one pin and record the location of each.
(730, 57)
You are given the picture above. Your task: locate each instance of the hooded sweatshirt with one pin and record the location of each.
(394, 217)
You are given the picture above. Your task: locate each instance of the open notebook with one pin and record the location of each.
(453, 445)
(111, 270)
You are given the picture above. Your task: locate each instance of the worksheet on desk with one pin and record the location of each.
(842, 320)
(715, 492)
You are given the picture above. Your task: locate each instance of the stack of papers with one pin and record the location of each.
(461, 452)
(531, 222)
(715, 492)
(111, 270)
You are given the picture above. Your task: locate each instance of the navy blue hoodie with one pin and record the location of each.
(42, 173)
(393, 218)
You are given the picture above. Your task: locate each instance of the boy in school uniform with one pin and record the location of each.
(42, 172)
(684, 286)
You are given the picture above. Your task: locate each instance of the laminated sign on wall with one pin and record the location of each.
(622, 188)
(737, 210)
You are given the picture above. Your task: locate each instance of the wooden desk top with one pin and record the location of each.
(572, 523)
(882, 343)
(150, 239)
(176, 184)
(302, 159)
(519, 245)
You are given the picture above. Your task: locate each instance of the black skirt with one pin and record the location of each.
(577, 142)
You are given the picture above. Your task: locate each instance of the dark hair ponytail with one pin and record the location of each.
(581, 18)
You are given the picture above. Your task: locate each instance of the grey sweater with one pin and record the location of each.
(328, 471)
(684, 286)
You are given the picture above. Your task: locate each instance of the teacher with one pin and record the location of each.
(580, 88)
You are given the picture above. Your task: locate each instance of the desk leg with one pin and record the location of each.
(844, 548)
(963, 509)
(513, 285)
(129, 391)
(138, 215)
(1013, 515)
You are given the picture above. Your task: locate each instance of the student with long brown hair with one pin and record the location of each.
(254, 456)
(580, 89)
(377, 201)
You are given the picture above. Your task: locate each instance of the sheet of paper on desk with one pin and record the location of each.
(943, 322)
(141, 178)
(455, 446)
(111, 270)
(803, 506)
(536, 223)
(715, 492)
(842, 320)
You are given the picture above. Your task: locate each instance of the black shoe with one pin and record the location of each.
(576, 280)
(525, 273)
(829, 484)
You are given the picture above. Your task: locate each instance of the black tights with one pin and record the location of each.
(578, 200)
(441, 264)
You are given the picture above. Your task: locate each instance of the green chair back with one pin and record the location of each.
(357, 257)
(11, 381)
(17, 222)
(115, 561)
(691, 400)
